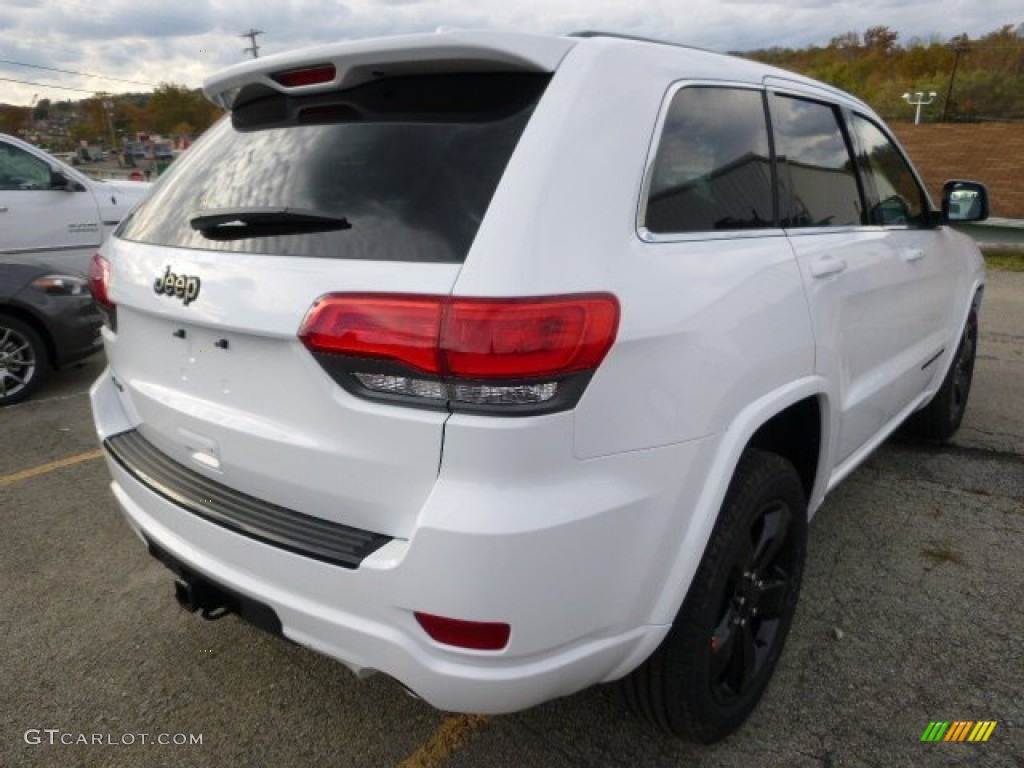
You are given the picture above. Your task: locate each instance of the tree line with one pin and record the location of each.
(169, 110)
(973, 79)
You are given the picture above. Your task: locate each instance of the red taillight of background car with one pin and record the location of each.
(99, 287)
(527, 354)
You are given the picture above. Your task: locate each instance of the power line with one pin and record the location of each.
(46, 85)
(73, 72)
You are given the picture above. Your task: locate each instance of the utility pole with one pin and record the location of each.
(253, 49)
(32, 115)
(960, 45)
(108, 110)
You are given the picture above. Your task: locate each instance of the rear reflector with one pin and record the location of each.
(474, 635)
(293, 78)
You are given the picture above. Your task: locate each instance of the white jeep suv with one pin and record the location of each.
(506, 365)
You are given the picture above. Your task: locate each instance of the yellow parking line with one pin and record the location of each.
(449, 738)
(25, 474)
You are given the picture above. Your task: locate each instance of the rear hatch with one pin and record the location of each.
(348, 172)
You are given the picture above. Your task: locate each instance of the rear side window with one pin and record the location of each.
(712, 169)
(816, 172)
(400, 169)
(896, 198)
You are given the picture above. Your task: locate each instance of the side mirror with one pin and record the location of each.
(59, 181)
(964, 201)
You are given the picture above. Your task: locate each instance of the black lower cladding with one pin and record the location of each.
(284, 528)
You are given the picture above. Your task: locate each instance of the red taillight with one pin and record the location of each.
(99, 281)
(402, 329)
(475, 635)
(527, 338)
(467, 338)
(532, 354)
(293, 78)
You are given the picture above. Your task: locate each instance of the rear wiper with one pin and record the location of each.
(240, 223)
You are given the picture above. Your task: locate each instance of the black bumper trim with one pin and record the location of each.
(246, 515)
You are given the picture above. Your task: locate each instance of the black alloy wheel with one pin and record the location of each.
(712, 668)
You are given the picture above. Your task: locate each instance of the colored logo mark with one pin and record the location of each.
(959, 730)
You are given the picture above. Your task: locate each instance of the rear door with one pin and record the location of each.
(854, 272)
(374, 189)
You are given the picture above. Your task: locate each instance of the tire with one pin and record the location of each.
(941, 418)
(715, 663)
(24, 365)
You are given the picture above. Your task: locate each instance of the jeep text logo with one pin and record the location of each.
(184, 287)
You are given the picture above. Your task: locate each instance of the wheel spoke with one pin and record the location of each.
(771, 536)
(772, 595)
(747, 657)
(723, 642)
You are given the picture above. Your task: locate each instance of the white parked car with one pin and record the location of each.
(506, 365)
(50, 213)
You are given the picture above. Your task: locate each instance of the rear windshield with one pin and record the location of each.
(409, 164)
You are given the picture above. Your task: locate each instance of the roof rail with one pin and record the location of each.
(635, 38)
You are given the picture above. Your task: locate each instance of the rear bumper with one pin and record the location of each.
(575, 591)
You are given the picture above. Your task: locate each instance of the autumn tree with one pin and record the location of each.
(881, 39)
(987, 73)
(173, 106)
(91, 122)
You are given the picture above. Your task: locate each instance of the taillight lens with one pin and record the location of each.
(402, 329)
(99, 287)
(529, 355)
(527, 338)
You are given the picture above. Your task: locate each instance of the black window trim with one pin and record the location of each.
(646, 235)
(863, 169)
(845, 108)
(846, 128)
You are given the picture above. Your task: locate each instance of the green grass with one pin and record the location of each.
(1005, 261)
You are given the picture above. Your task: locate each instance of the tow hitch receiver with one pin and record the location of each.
(196, 594)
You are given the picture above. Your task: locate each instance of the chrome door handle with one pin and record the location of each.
(912, 254)
(827, 265)
(3, 209)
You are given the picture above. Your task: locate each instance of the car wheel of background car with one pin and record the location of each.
(23, 361)
(710, 671)
(940, 419)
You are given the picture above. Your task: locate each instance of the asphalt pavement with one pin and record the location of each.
(911, 613)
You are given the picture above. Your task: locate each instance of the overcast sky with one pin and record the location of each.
(183, 41)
